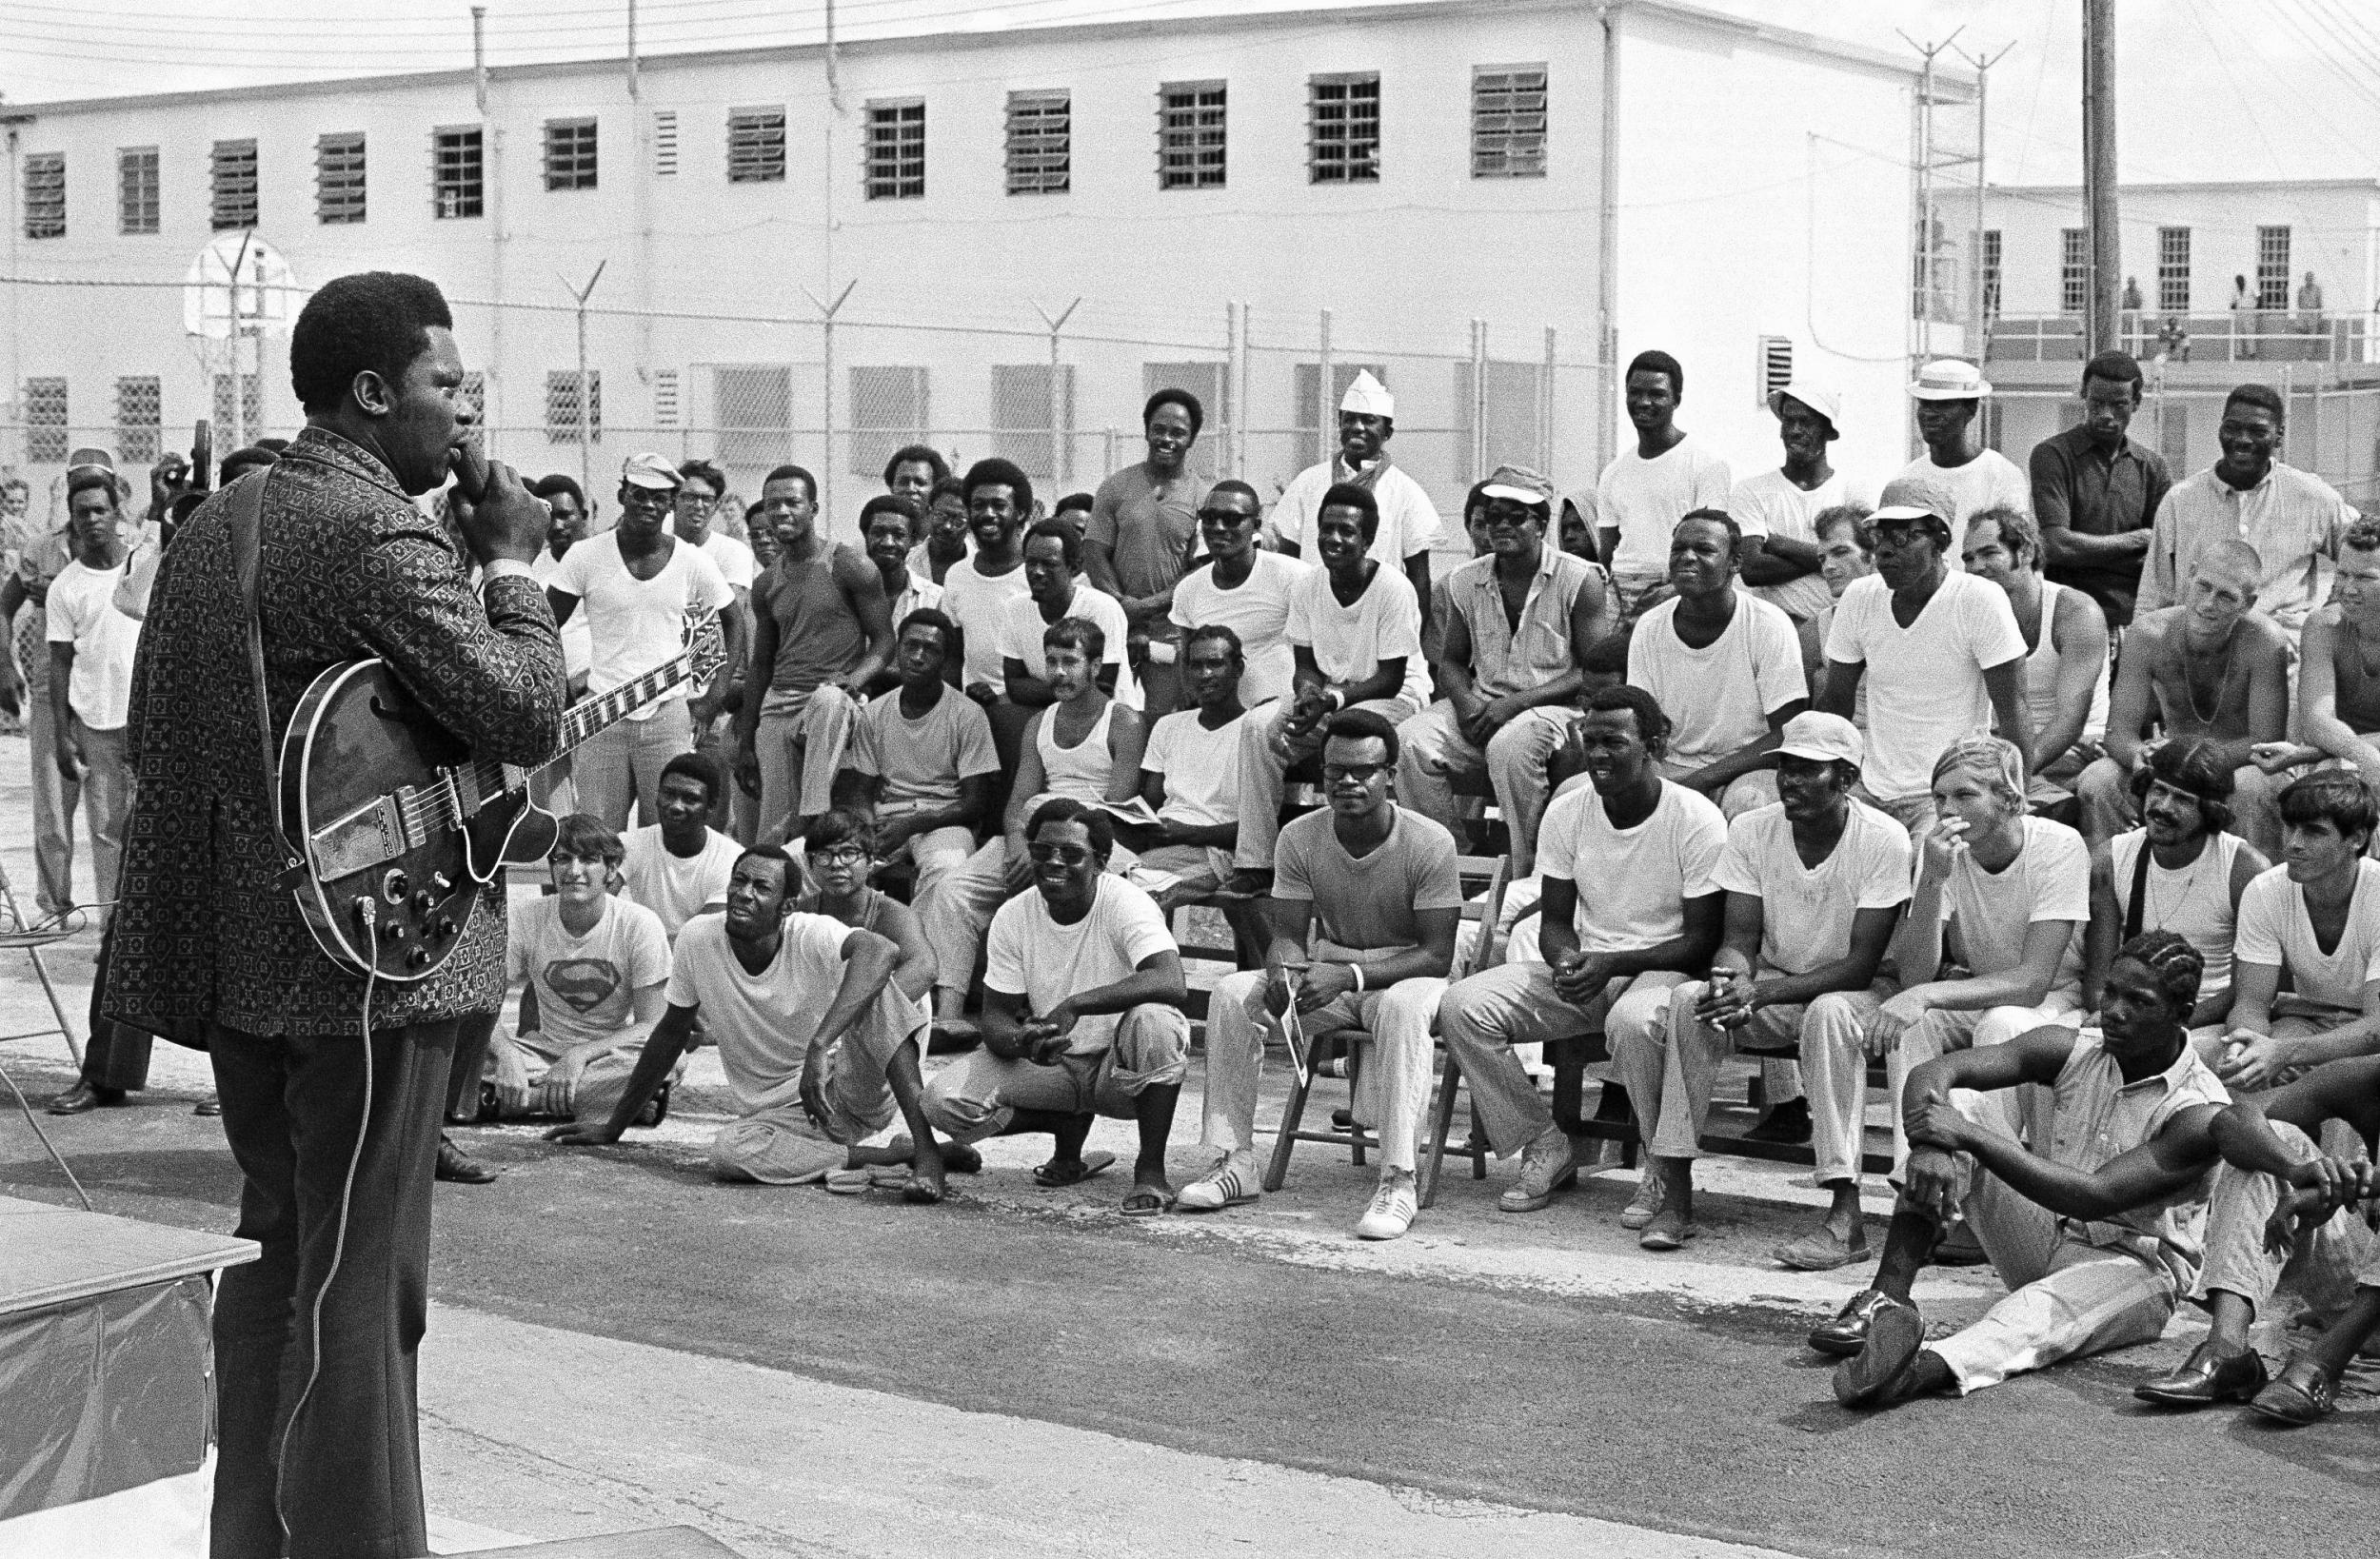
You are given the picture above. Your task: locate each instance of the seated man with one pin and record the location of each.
(2183, 870)
(2338, 694)
(1646, 850)
(2066, 650)
(921, 763)
(1355, 630)
(1723, 663)
(678, 868)
(1244, 587)
(1365, 905)
(1519, 624)
(1846, 552)
(1081, 1013)
(841, 856)
(887, 523)
(2095, 1228)
(1055, 591)
(596, 967)
(1814, 886)
(2211, 668)
(2314, 921)
(1190, 776)
(819, 1042)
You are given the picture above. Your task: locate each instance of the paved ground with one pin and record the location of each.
(619, 1342)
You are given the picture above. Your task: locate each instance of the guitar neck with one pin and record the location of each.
(585, 720)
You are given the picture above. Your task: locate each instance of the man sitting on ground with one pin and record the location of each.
(1365, 905)
(2066, 642)
(1190, 776)
(1646, 851)
(1081, 1013)
(2096, 1230)
(678, 867)
(920, 761)
(819, 1042)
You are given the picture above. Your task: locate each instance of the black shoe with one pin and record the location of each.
(1847, 1334)
(2206, 1377)
(211, 1105)
(460, 1168)
(1789, 1123)
(85, 1096)
(656, 1109)
(2304, 1393)
(1885, 1371)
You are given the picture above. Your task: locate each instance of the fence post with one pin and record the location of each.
(1325, 402)
(1061, 440)
(1236, 337)
(1545, 407)
(827, 399)
(1478, 399)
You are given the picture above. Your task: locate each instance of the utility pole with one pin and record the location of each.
(1978, 311)
(586, 398)
(1922, 294)
(633, 84)
(2098, 105)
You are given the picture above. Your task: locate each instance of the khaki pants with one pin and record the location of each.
(1433, 754)
(980, 1095)
(800, 745)
(2326, 1265)
(1267, 753)
(782, 1146)
(1484, 1017)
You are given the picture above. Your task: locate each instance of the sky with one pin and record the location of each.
(2205, 88)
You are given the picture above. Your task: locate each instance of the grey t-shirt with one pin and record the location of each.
(1369, 903)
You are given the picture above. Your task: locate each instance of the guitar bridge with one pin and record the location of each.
(364, 839)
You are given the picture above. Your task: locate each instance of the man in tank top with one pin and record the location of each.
(2065, 673)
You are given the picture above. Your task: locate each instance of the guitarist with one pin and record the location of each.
(209, 948)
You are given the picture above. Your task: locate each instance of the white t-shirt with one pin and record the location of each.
(1021, 627)
(1202, 768)
(2049, 880)
(1409, 522)
(734, 558)
(1989, 480)
(83, 613)
(585, 985)
(1807, 912)
(1634, 883)
(1643, 499)
(1718, 697)
(763, 1023)
(2273, 931)
(1349, 642)
(675, 887)
(637, 624)
(1257, 610)
(578, 640)
(1768, 505)
(1925, 682)
(1030, 955)
(979, 603)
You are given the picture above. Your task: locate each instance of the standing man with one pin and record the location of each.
(91, 646)
(1244, 587)
(571, 520)
(639, 584)
(912, 473)
(886, 523)
(319, 1452)
(695, 505)
(1645, 491)
(2095, 491)
(1142, 529)
(1940, 656)
(24, 604)
(1949, 396)
(2066, 651)
(1776, 509)
(2292, 518)
(1408, 525)
(979, 589)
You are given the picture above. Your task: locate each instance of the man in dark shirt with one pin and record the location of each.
(2095, 491)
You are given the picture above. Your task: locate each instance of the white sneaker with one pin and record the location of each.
(1392, 1209)
(1226, 1185)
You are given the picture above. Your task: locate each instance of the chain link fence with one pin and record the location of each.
(2332, 430)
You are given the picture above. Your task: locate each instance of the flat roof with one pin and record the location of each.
(2200, 187)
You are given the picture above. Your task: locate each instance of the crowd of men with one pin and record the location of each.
(2060, 775)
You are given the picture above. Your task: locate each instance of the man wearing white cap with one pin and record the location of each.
(1645, 491)
(1776, 509)
(1409, 524)
(639, 583)
(1950, 395)
(1814, 884)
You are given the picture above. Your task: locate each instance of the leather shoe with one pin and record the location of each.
(85, 1096)
(1885, 1370)
(2206, 1377)
(460, 1168)
(2303, 1395)
(211, 1105)
(1845, 1336)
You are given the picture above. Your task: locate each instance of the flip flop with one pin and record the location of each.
(1055, 1176)
(849, 1182)
(1146, 1202)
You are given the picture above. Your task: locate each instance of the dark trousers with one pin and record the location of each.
(351, 1486)
(114, 1055)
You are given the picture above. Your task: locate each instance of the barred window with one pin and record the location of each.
(570, 154)
(756, 146)
(1041, 143)
(1343, 129)
(2074, 270)
(752, 408)
(567, 417)
(1508, 121)
(136, 190)
(1991, 273)
(895, 151)
(140, 412)
(45, 421)
(45, 195)
(231, 184)
(455, 186)
(1190, 144)
(665, 398)
(2173, 270)
(339, 178)
(2273, 268)
(666, 144)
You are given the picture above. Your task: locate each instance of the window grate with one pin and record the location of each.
(1041, 143)
(888, 410)
(2273, 268)
(136, 190)
(231, 184)
(1773, 369)
(140, 415)
(666, 144)
(756, 146)
(2074, 270)
(566, 422)
(45, 195)
(1508, 121)
(45, 421)
(2173, 270)
(1190, 135)
(1991, 273)
(455, 186)
(1033, 418)
(570, 154)
(244, 416)
(665, 398)
(895, 151)
(1343, 129)
(339, 179)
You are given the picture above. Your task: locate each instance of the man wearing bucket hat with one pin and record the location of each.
(1409, 524)
(1776, 509)
(1949, 396)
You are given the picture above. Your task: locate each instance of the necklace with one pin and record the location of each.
(2153, 917)
(2205, 718)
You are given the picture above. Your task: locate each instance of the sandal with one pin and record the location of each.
(849, 1182)
(1055, 1176)
(1146, 1202)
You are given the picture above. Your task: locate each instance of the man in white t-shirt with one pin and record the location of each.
(887, 523)
(596, 965)
(979, 589)
(1645, 491)
(1082, 994)
(1725, 666)
(91, 645)
(819, 1043)
(639, 584)
(1814, 886)
(1777, 509)
(1190, 776)
(1244, 587)
(1939, 653)
(1055, 591)
(695, 507)
(1645, 852)
(1949, 396)
(1408, 527)
(678, 868)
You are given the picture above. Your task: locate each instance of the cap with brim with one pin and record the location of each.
(1822, 738)
(649, 471)
(1906, 514)
(1517, 483)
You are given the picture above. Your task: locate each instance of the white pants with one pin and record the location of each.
(1392, 1089)
(622, 765)
(1942, 1031)
(2324, 1266)
(1432, 753)
(1266, 754)
(1484, 1017)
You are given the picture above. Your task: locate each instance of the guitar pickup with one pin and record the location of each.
(366, 837)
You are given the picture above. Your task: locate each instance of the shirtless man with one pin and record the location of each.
(2338, 688)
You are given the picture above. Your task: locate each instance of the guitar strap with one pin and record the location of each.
(2140, 893)
(246, 499)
